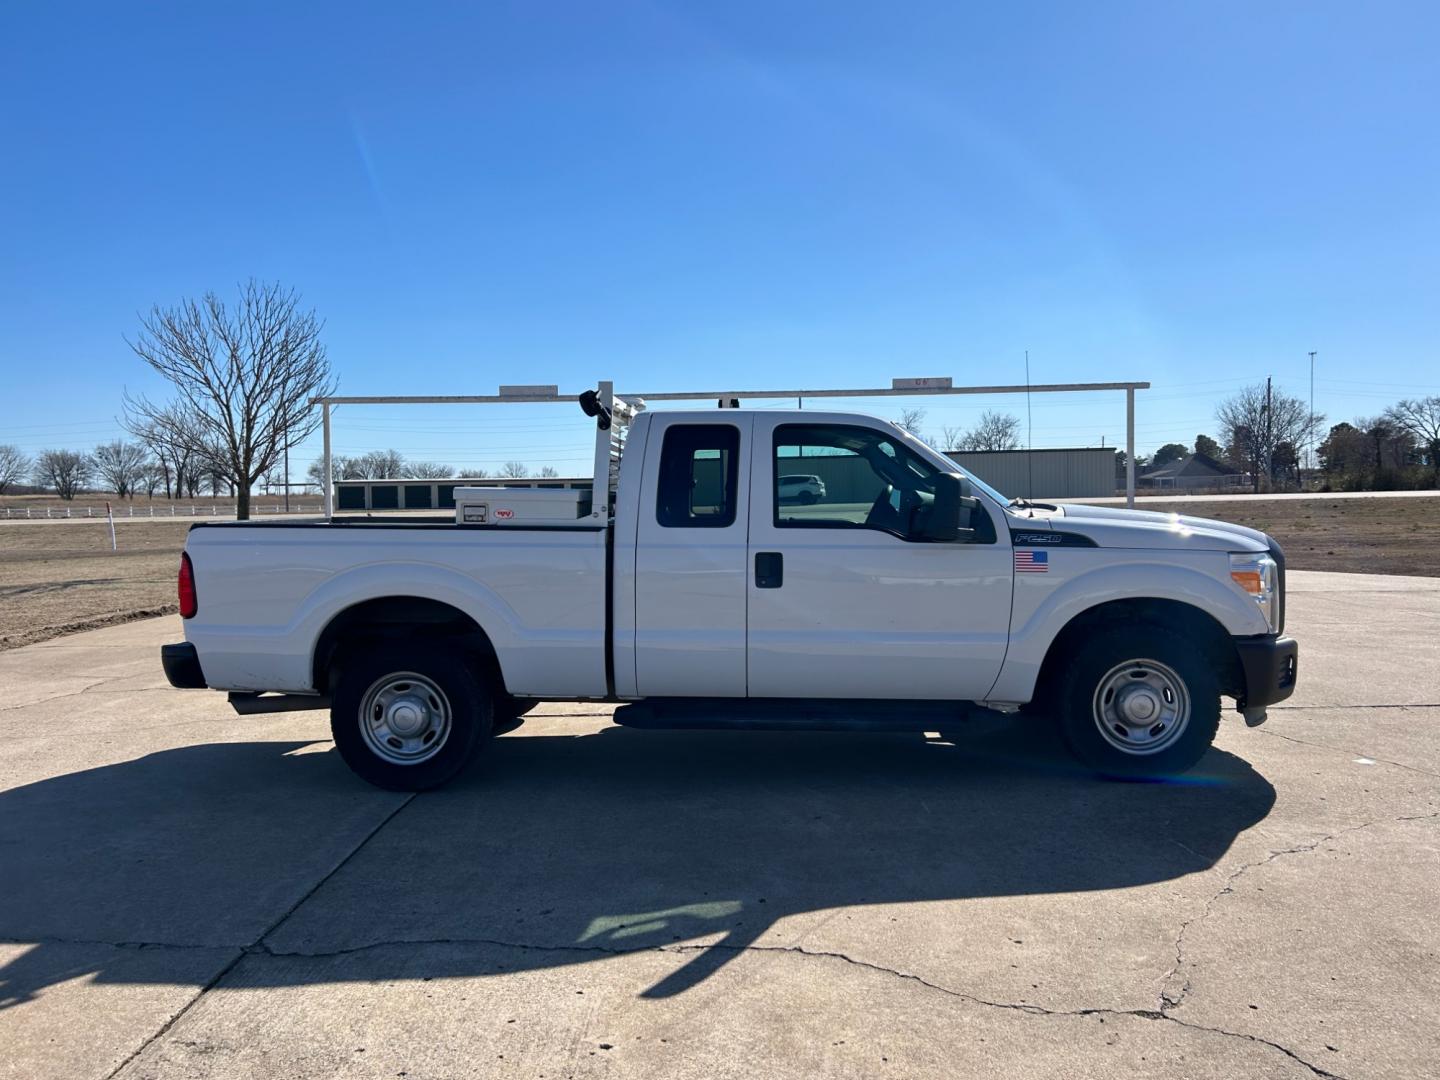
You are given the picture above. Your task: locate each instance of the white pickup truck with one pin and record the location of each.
(695, 588)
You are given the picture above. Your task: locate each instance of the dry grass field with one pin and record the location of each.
(1355, 536)
(60, 577)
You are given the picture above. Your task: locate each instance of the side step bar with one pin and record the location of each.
(786, 714)
(248, 703)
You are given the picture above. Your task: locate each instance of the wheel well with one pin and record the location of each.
(396, 617)
(1194, 623)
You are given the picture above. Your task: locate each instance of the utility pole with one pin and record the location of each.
(1312, 410)
(1268, 447)
(286, 437)
(1130, 449)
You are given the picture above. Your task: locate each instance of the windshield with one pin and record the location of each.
(977, 482)
(952, 467)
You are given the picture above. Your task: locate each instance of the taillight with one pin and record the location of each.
(189, 604)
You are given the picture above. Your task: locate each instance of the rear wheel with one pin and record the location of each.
(1139, 701)
(408, 717)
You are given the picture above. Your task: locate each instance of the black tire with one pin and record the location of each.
(1044, 703)
(461, 688)
(1156, 661)
(808, 498)
(510, 712)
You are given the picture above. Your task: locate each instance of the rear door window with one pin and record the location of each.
(699, 476)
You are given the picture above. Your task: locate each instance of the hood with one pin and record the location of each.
(1111, 526)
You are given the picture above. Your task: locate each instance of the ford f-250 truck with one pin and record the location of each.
(690, 583)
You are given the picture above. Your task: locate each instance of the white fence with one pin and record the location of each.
(174, 510)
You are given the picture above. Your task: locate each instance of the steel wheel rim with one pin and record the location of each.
(405, 718)
(1141, 707)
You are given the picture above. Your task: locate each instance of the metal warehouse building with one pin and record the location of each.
(428, 494)
(1078, 473)
(1082, 473)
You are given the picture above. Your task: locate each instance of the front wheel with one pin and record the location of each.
(1139, 702)
(408, 717)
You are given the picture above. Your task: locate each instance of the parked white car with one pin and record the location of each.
(694, 588)
(803, 488)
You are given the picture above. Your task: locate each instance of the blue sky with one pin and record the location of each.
(682, 196)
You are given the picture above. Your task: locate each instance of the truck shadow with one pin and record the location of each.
(559, 850)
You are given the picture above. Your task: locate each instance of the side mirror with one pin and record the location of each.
(952, 493)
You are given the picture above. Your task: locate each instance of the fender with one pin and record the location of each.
(377, 581)
(1031, 639)
(538, 660)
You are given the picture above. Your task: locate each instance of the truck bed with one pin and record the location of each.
(266, 592)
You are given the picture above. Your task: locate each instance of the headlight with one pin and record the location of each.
(1256, 574)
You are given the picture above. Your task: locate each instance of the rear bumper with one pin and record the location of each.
(1270, 665)
(182, 666)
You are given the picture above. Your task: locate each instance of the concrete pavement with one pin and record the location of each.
(189, 893)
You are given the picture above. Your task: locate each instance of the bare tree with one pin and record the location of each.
(154, 475)
(64, 471)
(159, 445)
(375, 465)
(384, 465)
(14, 467)
(995, 431)
(121, 465)
(245, 376)
(217, 474)
(1255, 425)
(549, 471)
(1421, 418)
(161, 451)
(430, 470)
(911, 420)
(514, 470)
(315, 474)
(951, 437)
(173, 440)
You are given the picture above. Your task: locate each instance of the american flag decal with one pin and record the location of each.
(1032, 562)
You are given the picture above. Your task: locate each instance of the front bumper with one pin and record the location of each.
(182, 666)
(1269, 665)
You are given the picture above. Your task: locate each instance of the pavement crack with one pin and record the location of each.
(1155, 1015)
(258, 944)
(59, 697)
(1173, 997)
(101, 942)
(1358, 753)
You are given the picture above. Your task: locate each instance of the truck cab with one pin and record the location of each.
(740, 591)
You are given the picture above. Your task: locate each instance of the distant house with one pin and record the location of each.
(1195, 471)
